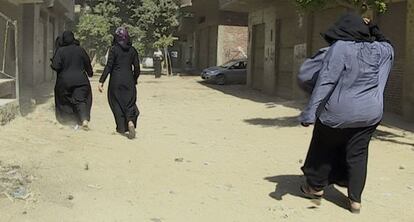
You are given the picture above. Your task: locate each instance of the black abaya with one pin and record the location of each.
(73, 93)
(122, 92)
(338, 156)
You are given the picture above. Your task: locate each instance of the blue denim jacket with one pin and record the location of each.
(349, 91)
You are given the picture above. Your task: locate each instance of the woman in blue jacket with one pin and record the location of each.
(346, 106)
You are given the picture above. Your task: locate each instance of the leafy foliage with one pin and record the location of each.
(93, 31)
(150, 23)
(158, 21)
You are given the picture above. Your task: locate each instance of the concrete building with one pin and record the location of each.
(281, 38)
(209, 36)
(36, 23)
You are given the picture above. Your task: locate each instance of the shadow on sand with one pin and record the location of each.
(390, 137)
(244, 92)
(274, 122)
(290, 184)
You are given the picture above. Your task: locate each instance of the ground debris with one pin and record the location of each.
(93, 186)
(14, 182)
(179, 160)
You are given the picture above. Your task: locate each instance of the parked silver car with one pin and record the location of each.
(234, 71)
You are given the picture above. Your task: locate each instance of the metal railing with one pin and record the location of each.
(11, 24)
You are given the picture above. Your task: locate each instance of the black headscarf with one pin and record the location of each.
(68, 38)
(349, 27)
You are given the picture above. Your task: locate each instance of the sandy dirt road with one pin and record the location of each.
(203, 153)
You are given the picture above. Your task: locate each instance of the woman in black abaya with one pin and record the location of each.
(122, 92)
(73, 94)
(346, 106)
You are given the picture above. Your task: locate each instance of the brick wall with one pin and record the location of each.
(232, 43)
(396, 14)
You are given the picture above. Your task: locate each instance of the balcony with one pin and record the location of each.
(16, 2)
(236, 5)
(245, 5)
(185, 3)
(66, 7)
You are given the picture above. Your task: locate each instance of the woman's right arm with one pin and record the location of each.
(109, 66)
(333, 65)
(309, 71)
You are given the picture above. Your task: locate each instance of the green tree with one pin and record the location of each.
(151, 23)
(158, 21)
(360, 5)
(93, 31)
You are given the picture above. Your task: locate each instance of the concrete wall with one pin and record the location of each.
(14, 12)
(284, 31)
(38, 27)
(209, 42)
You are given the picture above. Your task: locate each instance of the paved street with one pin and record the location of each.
(203, 153)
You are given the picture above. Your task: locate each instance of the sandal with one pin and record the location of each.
(354, 207)
(131, 129)
(309, 194)
(85, 125)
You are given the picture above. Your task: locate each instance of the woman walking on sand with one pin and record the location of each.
(346, 106)
(122, 92)
(73, 94)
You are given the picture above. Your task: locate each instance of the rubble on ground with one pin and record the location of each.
(15, 183)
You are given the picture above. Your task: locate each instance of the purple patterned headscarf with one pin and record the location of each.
(122, 37)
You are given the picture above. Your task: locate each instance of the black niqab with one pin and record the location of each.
(349, 27)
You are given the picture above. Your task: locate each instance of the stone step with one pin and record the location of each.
(7, 88)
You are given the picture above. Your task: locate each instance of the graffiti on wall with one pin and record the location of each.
(234, 53)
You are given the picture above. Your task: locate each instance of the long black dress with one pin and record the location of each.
(73, 93)
(122, 92)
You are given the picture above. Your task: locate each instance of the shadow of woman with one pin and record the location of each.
(290, 184)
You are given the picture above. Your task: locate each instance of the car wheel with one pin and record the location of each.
(221, 79)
